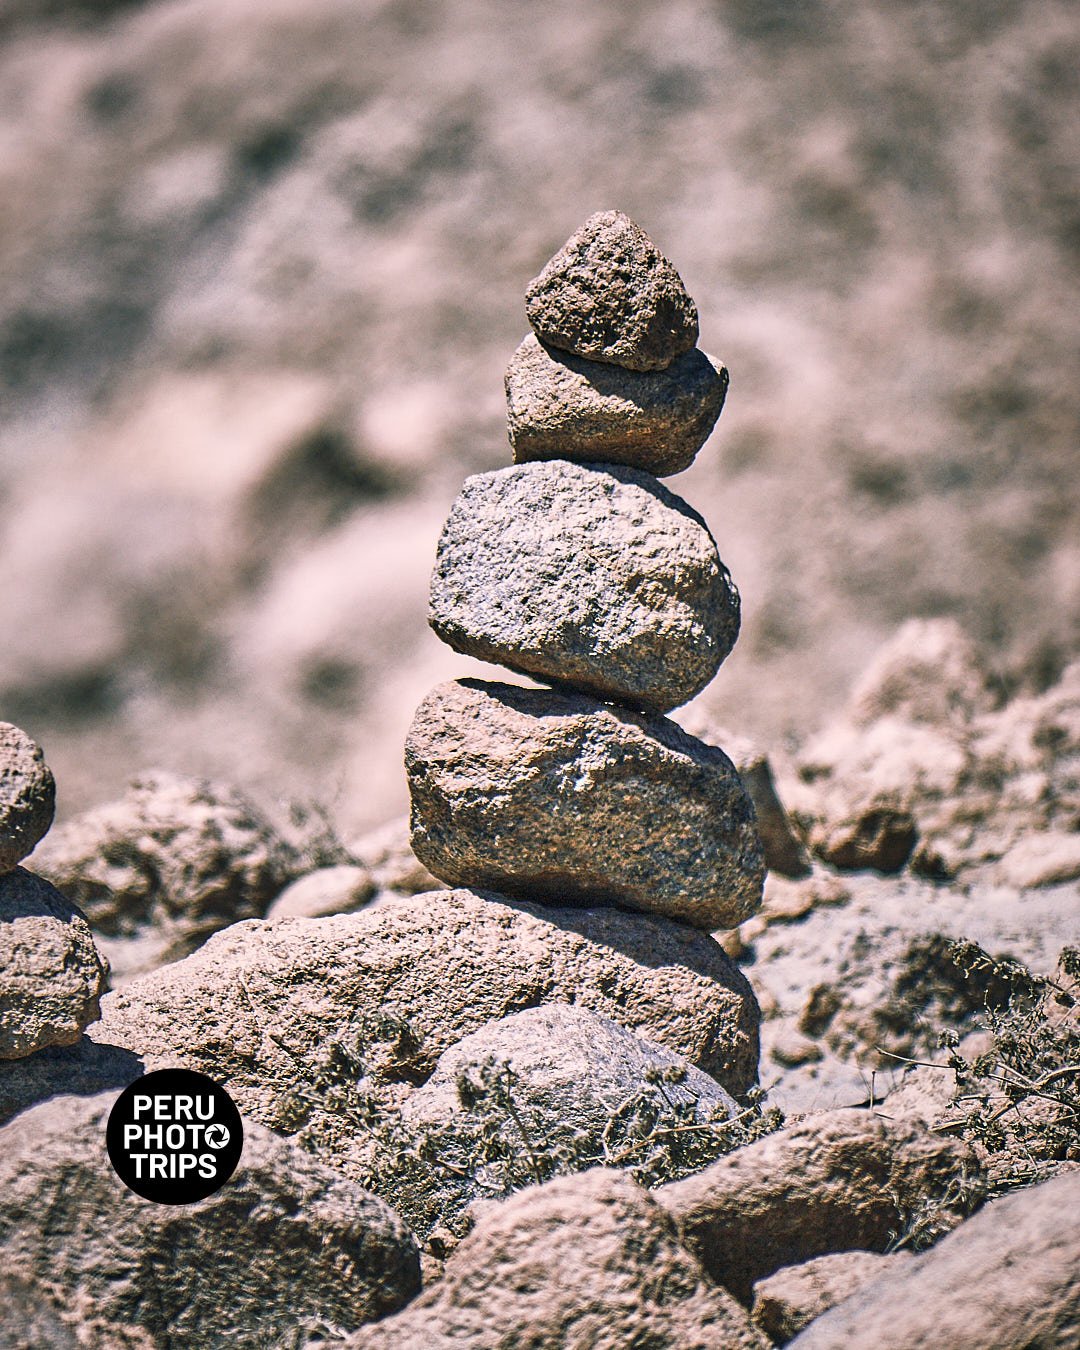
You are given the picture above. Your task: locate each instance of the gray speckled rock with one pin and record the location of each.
(50, 972)
(27, 796)
(609, 294)
(566, 1070)
(286, 1244)
(592, 576)
(561, 406)
(559, 798)
(256, 1005)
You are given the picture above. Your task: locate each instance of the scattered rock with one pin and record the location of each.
(327, 890)
(51, 975)
(27, 796)
(791, 1299)
(550, 1089)
(29, 1319)
(388, 856)
(558, 798)
(923, 770)
(881, 838)
(1005, 1278)
(592, 576)
(929, 672)
(259, 1003)
(79, 1070)
(564, 407)
(1041, 860)
(831, 1182)
(589, 1260)
(785, 854)
(609, 294)
(286, 1246)
(791, 1047)
(182, 854)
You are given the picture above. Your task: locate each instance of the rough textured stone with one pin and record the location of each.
(558, 798)
(588, 575)
(567, 1070)
(286, 1245)
(1007, 1278)
(561, 406)
(27, 796)
(609, 294)
(256, 1005)
(182, 854)
(81, 1070)
(584, 1263)
(327, 890)
(791, 1299)
(832, 1182)
(50, 972)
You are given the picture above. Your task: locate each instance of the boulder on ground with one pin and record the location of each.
(928, 672)
(589, 575)
(832, 1182)
(609, 294)
(51, 975)
(179, 853)
(327, 890)
(387, 854)
(1005, 1278)
(260, 1005)
(586, 1261)
(285, 1247)
(786, 1302)
(561, 406)
(27, 796)
(548, 1090)
(559, 798)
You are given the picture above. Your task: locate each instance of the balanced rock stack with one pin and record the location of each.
(51, 975)
(576, 567)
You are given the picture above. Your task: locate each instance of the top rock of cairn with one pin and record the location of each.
(610, 295)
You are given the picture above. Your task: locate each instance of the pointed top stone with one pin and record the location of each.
(610, 295)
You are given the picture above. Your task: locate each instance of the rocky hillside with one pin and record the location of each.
(260, 273)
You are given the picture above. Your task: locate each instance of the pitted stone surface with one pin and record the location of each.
(27, 796)
(50, 972)
(255, 1005)
(559, 798)
(609, 294)
(561, 406)
(588, 575)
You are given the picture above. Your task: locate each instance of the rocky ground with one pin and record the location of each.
(364, 1020)
(677, 1013)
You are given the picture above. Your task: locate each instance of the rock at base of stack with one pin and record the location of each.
(557, 797)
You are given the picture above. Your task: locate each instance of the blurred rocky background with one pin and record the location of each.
(262, 267)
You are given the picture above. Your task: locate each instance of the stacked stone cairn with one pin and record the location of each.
(51, 975)
(576, 567)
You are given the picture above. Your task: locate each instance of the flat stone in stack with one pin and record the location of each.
(27, 796)
(592, 576)
(565, 407)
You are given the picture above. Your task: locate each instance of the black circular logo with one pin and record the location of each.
(174, 1137)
